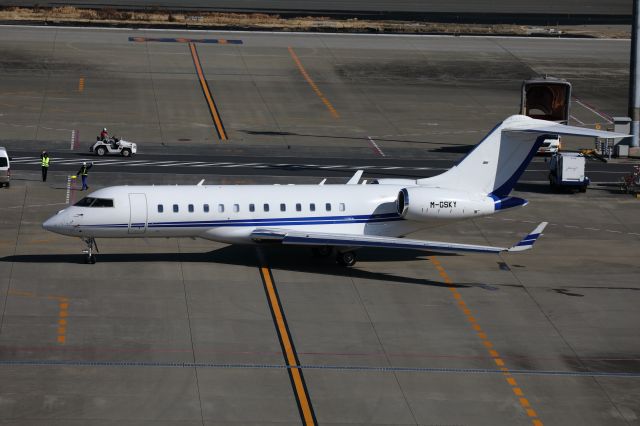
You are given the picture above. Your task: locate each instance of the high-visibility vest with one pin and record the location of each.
(84, 171)
(45, 161)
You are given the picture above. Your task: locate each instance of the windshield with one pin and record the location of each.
(94, 202)
(3, 162)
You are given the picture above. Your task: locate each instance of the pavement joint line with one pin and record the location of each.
(387, 369)
(305, 407)
(213, 109)
(313, 85)
(484, 338)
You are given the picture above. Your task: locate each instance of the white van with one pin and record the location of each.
(550, 145)
(5, 169)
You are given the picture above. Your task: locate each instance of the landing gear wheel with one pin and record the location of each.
(347, 258)
(126, 152)
(101, 151)
(90, 259)
(322, 251)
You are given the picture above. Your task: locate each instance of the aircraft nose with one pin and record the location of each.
(54, 223)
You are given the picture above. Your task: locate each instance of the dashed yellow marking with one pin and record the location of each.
(313, 85)
(81, 85)
(487, 343)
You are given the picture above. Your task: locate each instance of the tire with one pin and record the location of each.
(126, 152)
(90, 260)
(101, 151)
(322, 251)
(348, 258)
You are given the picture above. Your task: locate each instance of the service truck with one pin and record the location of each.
(566, 170)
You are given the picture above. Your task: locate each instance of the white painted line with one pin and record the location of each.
(188, 163)
(73, 140)
(309, 34)
(68, 197)
(592, 229)
(376, 148)
(614, 232)
(570, 226)
(592, 109)
(576, 119)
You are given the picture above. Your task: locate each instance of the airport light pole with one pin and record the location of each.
(634, 74)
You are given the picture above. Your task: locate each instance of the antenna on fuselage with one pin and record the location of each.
(200, 183)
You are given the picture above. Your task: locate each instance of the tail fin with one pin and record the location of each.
(497, 162)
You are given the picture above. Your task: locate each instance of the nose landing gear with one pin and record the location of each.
(90, 258)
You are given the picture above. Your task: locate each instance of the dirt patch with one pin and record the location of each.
(68, 15)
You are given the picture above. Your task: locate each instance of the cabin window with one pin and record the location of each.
(341, 207)
(191, 208)
(298, 207)
(328, 207)
(205, 207)
(175, 208)
(312, 207)
(265, 207)
(283, 207)
(220, 208)
(160, 208)
(252, 207)
(236, 208)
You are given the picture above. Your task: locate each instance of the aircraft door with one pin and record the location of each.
(137, 213)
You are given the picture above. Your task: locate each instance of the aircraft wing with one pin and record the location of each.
(286, 236)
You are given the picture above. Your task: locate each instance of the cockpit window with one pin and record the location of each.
(94, 202)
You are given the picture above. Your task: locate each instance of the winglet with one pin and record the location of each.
(527, 242)
(355, 178)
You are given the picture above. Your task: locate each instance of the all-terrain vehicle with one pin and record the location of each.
(113, 146)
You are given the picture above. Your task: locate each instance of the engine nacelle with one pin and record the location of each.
(423, 204)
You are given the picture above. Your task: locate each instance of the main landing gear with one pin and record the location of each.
(346, 258)
(90, 258)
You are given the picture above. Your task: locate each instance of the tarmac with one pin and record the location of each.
(182, 332)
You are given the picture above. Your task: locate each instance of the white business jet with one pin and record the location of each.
(326, 217)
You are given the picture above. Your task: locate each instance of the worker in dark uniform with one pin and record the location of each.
(44, 158)
(84, 172)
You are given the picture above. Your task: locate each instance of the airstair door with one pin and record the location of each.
(137, 213)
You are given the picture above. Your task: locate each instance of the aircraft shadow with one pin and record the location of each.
(278, 258)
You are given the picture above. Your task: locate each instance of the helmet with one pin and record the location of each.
(84, 163)
(104, 130)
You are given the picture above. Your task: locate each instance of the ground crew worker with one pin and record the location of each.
(84, 172)
(104, 135)
(44, 158)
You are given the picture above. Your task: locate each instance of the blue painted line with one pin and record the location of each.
(317, 220)
(168, 364)
(183, 40)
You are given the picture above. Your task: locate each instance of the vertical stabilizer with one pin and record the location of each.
(497, 162)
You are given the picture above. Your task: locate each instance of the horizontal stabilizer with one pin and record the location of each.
(561, 129)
